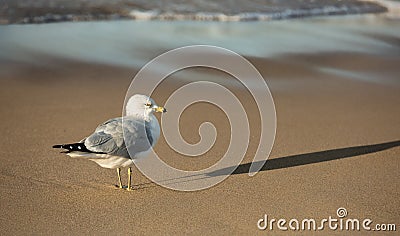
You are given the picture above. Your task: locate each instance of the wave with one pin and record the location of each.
(255, 16)
(42, 11)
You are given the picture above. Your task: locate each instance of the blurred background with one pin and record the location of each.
(332, 67)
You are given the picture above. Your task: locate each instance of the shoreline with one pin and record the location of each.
(12, 13)
(376, 35)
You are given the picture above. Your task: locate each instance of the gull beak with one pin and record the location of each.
(160, 109)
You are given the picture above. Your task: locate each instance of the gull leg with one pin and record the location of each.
(119, 177)
(129, 178)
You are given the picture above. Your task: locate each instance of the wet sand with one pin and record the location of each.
(337, 145)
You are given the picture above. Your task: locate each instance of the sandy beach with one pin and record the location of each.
(337, 142)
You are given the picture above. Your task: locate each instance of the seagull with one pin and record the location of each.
(106, 145)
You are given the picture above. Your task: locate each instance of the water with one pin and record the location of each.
(45, 11)
(133, 43)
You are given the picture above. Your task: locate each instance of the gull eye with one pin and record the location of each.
(148, 104)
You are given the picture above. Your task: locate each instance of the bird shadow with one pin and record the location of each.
(310, 158)
(288, 161)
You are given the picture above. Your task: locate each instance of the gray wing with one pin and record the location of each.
(109, 137)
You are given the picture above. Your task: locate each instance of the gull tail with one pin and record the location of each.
(72, 147)
(75, 147)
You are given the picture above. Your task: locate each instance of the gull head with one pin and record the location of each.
(142, 105)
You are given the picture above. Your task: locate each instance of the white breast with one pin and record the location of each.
(155, 129)
(155, 134)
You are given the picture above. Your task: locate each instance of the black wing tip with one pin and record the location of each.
(74, 147)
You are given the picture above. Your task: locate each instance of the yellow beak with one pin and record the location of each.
(161, 109)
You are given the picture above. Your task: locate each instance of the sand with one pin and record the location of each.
(337, 145)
